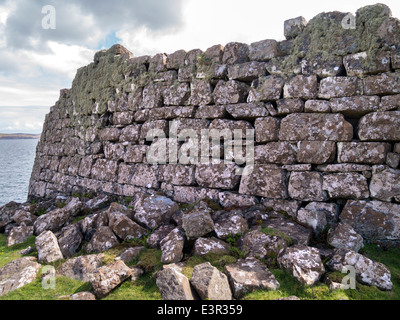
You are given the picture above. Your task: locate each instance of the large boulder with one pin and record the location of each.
(24, 218)
(18, 273)
(368, 272)
(153, 211)
(70, 240)
(172, 246)
(80, 268)
(153, 241)
(48, 248)
(249, 274)
(210, 283)
(343, 236)
(231, 224)
(303, 262)
(124, 227)
(373, 220)
(109, 277)
(7, 212)
(173, 285)
(203, 246)
(197, 223)
(19, 235)
(103, 240)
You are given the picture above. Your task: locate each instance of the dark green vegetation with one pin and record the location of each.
(149, 260)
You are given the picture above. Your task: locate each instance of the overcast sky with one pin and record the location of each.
(35, 63)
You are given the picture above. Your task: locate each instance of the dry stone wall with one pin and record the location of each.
(318, 114)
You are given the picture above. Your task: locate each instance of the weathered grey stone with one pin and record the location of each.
(247, 111)
(368, 271)
(176, 60)
(266, 88)
(312, 219)
(385, 183)
(201, 93)
(124, 227)
(19, 235)
(389, 103)
(6, 213)
(288, 106)
(337, 87)
(264, 181)
(80, 268)
(178, 175)
(70, 240)
(177, 95)
(378, 126)
(343, 236)
(344, 167)
(298, 234)
(48, 248)
(355, 106)
(374, 220)
(173, 285)
(197, 223)
(204, 246)
(246, 71)
(249, 274)
(289, 207)
(219, 126)
(229, 92)
(229, 200)
(303, 262)
(305, 87)
(18, 273)
(362, 152)
(267, 129)
(107, 278)
(104, 170)
(155, 238)
(210, 112)
(158, 62)
(210, 283)
(103, 240)
(315, 127)
(382, 84)
(306, 186)
(329, 210)
(393, 160)
(153, 211)
(83, 296)
(230, 225)
(317, 106)
(152, 96)
(286, 67)
(218, 176)
(172, 247)
(316, 152)
(293, 27)
(322, 65)
(194, 194)
(24, 218)
(110, 134)
(146, 176)
(235, 52)
(263, 50)
(276, 153)
(364, 63)
(346, 185)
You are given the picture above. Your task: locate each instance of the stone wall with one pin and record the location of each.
(324, 105)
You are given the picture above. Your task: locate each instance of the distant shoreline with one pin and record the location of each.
(14, 136)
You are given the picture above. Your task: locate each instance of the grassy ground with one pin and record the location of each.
(149, 259)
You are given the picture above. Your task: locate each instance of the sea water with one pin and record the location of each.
(16, 162)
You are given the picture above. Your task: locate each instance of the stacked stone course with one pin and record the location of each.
(324, 104)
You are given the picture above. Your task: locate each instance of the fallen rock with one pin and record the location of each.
(106, 278)
(197, 223)
(7, 212)
(172, 247)
(80, 268)
(83, 296)
(313, 219)
(230, 225)
(70, 240)
(18, 273)
(124, 227)
(303, 262)
(173, 285)
(24, 218)
(343, 236)
(249, 274)
(210, 283)
(48, 248)
(153, 241)
(203, 246)
(153, 211)
(298, 234)
(368, 272)
(19, 235)
(103, 240)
